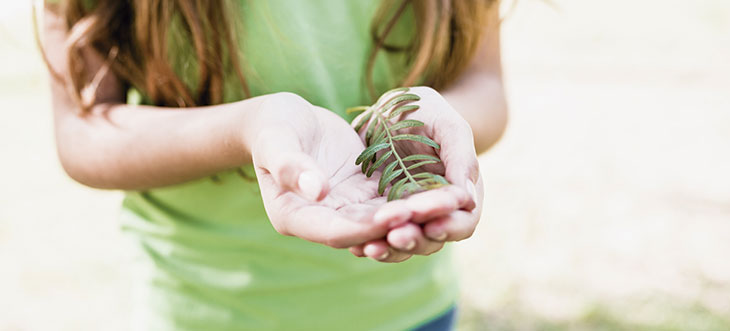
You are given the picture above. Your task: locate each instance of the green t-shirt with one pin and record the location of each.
(210, 259)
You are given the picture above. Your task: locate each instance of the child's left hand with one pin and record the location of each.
(423, 235)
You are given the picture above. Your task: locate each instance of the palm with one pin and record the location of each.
(338, 147)
(441, 123)
(430, 130)
(352, 198)
(304, 158)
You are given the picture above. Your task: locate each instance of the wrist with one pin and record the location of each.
(266, 113)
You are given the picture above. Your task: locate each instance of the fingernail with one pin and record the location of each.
(438, 236)
(411, 245)
(383, 256)
(310, 185)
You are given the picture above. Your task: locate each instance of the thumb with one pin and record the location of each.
(460, 159)
(280, 155)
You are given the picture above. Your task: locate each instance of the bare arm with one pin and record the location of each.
(304, 155)
(478, 95)
(118, 146)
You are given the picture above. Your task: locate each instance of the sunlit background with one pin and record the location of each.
(608, 200)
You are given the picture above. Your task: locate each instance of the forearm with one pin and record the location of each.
(480, 99)
(138, 147)
(478, 95)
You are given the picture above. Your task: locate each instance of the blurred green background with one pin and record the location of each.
(608, 200)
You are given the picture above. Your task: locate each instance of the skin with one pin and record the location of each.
(425, 234)
(476, 101)
(303, 155)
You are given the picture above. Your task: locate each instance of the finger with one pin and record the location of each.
(464, 198)
(393, 213)
(431, 204)
(279, 153)
(379, 250)
(458, 225)
(357, 250)
(323, 225)
(458, 153)
(410, 239)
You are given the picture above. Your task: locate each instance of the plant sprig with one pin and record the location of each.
(381, 125)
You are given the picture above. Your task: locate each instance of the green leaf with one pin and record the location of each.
(398, 99)
(423, 175)
(402, 109)
(363, 120)
(382, 97)
(417, 138)
(434, 178)
(364, 166)
(433, 182)
(416, 165)
(396, 189)
(389, 168)
(371, 131)
(397, 89)
(387, 179)
(379, 136)
(405, 124)
(369, 152)
(407, 188)
(441, 179)
(381, 140)
(387, 172)
(356, 109)
(418, 157)
(412, 188)
(378, 163)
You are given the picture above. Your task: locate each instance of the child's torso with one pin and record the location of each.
(215, 262)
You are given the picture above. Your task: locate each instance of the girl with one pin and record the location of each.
(224, 123)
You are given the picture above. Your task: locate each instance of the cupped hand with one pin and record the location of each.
(304, 157)
(425, 234)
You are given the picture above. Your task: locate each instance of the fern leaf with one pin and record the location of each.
(381, 133)
(418, 157)
(356, 109)
(387, 93)
(422, 163)
(387, 179)
(378, 163)
(417, 138)
(405, 124)
(401, 110)
(398, 99)
(371, 130)
(369, 152)
(361, 121)
(387, 172)
(396, 189)
(433, 180)
(380, 136)
(364, 165)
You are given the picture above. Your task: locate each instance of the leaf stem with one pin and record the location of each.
(384, 122)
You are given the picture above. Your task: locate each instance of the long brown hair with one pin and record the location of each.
(133, 34)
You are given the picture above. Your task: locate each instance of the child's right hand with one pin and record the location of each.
(304, 158)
